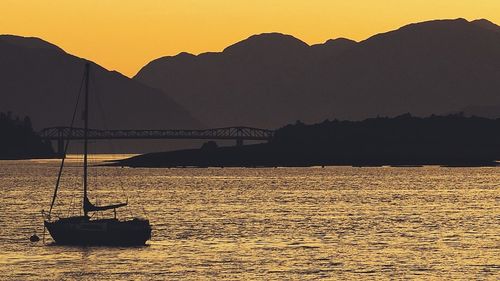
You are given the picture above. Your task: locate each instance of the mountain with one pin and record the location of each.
(42, 81)
(250, 83)
(486, 24)
(272, 79)
(29, 42)
(426, 68)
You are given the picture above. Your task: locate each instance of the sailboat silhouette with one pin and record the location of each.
(83, 230)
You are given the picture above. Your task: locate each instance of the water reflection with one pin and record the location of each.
(272, 224)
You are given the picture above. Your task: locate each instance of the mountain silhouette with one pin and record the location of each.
(41, 80)
(29, 42)
(487, 24)
(424, 68)
(272, 79)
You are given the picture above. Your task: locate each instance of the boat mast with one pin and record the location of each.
(85, 136)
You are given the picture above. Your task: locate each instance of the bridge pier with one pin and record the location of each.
(60, 147)
(239, 142)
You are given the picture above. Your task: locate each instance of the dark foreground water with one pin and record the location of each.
(337, 223)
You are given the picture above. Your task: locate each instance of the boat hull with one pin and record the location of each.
(105, 232)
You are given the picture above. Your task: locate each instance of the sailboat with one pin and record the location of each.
(83, 229)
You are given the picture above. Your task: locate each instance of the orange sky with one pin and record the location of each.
(124, 35)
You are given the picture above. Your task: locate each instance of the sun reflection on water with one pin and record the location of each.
(267, 224)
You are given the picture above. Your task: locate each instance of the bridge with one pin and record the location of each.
(240, 134)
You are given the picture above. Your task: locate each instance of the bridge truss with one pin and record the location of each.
(240, 134)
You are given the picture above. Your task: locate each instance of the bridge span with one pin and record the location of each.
(239, 134)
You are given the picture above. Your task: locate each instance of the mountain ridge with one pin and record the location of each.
(43, 82)
(30, 42)
(422, 68)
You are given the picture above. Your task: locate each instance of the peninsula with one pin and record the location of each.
(453, 140)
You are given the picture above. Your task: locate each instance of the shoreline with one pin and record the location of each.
(232, 157)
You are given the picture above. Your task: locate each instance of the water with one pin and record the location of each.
(336, 223)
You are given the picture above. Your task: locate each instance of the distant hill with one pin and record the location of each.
(42, 81)
(404, 140)
(272, 79)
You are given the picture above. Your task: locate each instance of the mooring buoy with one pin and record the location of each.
(34, 238)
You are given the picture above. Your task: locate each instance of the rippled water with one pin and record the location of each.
(264, 224)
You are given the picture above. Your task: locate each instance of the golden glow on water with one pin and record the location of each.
(126, 34)
(267, 224)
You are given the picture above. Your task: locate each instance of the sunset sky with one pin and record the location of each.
(124, 35)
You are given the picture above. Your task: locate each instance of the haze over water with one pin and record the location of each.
(264, 224)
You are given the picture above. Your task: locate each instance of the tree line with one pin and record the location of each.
(18, 140)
